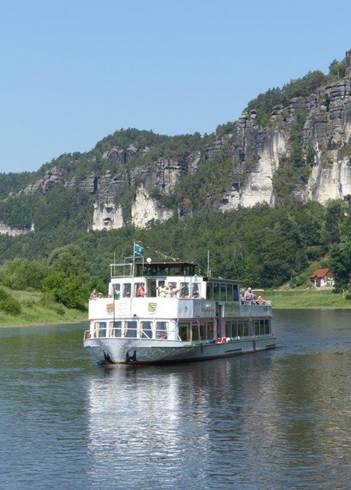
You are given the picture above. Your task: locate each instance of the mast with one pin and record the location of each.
(208, 264)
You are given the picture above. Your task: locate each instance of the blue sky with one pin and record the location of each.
(75, 71)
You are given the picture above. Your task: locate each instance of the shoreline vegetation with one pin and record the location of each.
(306, 299)
(36, 308)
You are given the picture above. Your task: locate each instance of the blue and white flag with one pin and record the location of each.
(138, 250)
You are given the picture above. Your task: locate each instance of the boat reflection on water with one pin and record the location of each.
(162, 425)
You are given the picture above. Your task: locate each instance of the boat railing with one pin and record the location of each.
(256, 302)
(121, 270)
(132, 333)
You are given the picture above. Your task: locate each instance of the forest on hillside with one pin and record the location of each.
(262, 247)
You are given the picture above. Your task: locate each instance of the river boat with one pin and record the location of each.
(164, 311)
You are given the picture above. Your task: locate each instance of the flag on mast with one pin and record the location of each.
(138, 250)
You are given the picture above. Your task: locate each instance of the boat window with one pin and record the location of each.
(195, 331)
(209, 290)
(241, 328)
(229, 292)
(203, 331)
(115, 329)
(184, 331)
(228, 328)
(262, 327)
(257, 327)
(100, 329)
(216, 291)
(159, 289)
(151, 288)
(184, 290)
(139, 289)
(223, 293)
(235, 295)
(161, 330)
(210, 330)
(267, 327)
(116, 291)
(130, 329)
(146, 329)
(195, 290)
(245, 328)
(127, 289)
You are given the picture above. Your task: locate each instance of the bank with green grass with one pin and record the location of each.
(307, 298)
(34, 307)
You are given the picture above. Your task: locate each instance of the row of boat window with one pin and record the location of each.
(145, 329)
(199, 330)
(222, 292)
(240, 328)
(188, 331)
(163, 289)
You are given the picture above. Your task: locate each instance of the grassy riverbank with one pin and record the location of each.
(36, 308)
(306, 298)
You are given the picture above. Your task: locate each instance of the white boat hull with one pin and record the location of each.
(127, 350)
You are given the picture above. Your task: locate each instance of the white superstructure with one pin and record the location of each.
(165, 312)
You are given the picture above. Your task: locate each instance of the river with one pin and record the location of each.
(278, 419)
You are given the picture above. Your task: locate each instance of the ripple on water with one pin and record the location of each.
(278, 419)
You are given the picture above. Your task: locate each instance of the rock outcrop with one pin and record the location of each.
(146, 210)
(106, 216)
(11, 231)
(326, 135)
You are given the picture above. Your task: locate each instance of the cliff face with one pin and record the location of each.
(138, 177)
(325, 149)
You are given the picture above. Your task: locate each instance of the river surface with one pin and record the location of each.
(278, 419)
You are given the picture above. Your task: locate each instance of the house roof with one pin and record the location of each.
(320, 273)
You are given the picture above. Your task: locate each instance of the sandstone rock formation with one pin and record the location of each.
(107, 216)
(146, 210)
(11, 231)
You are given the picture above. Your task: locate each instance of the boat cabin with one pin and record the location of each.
(168, 280)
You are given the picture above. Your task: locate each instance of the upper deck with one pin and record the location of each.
(152, 269)
(170, 290)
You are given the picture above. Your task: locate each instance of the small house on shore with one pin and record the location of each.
(322, 278)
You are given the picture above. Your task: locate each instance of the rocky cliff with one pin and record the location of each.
(260, 152)
(296, 149)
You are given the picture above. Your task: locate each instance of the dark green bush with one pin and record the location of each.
(8, 304)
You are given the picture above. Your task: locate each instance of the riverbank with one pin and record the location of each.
(36, 309)
(306, 298)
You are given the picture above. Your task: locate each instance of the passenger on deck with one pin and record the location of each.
(260, 301)
(162, 291)
(140, 292)
(171, 290)
(249, 295)
(93, 294)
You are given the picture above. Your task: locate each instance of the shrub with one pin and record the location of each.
(23, 273)
(67, 289)
(8, 304)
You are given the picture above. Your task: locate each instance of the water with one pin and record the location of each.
(278, 419)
